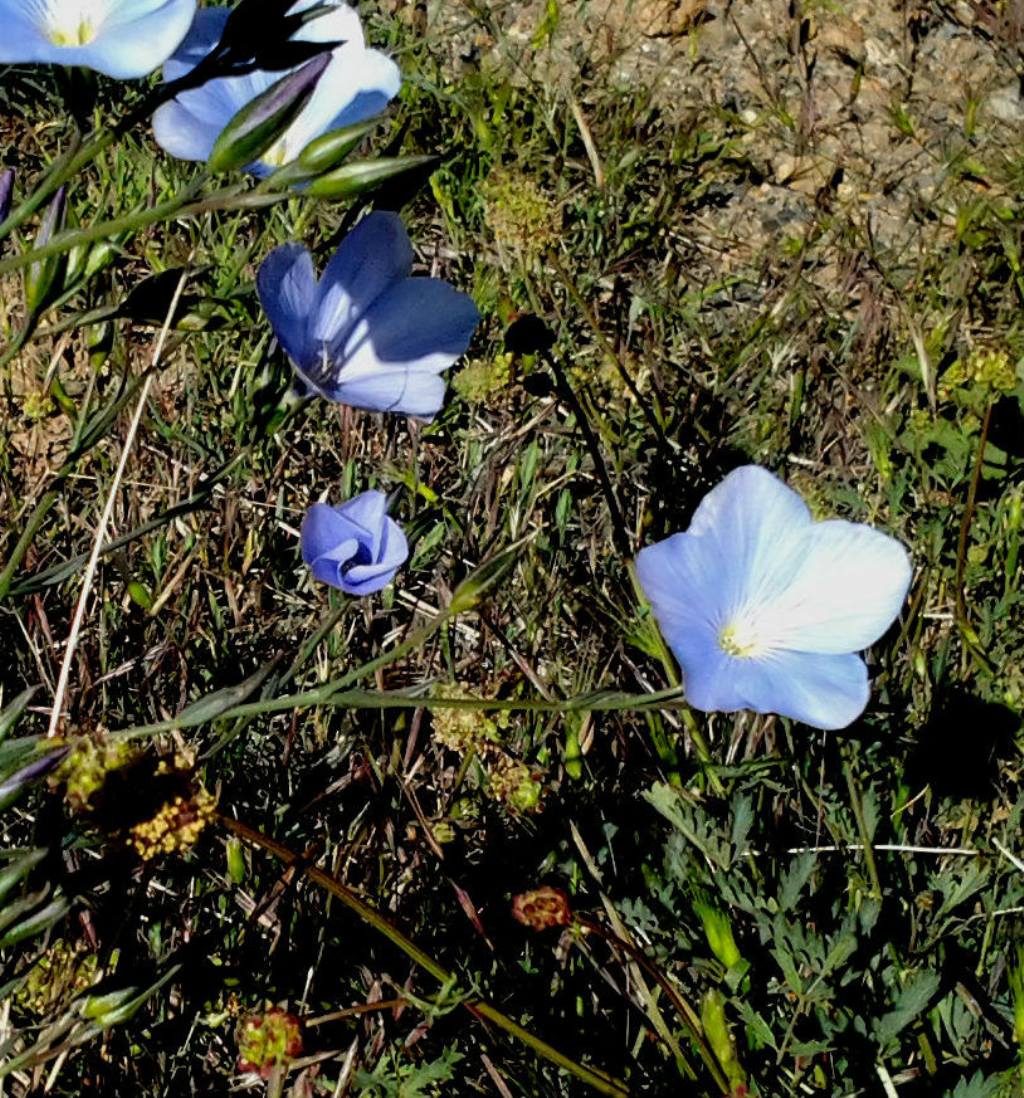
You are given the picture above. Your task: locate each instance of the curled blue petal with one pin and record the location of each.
(356, 546)
(121, 38)
(765, 609)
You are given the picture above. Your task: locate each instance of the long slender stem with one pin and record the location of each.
(688, 1016)
(178, 206)
(108, 510)
(603, 1084)
(331, 695)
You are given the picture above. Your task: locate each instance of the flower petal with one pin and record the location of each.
(420, 324)
(680, 577)
(138, 37)
(357, 84)
(848, 591)
(753, 524)
(286, 283)
(323, 529)
(367, 514)
(204, 33)
(372, 257)
(399, 390)
(823, 691)
(131, 38)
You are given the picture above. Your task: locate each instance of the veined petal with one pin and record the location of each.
(399, 390)
(848, 591)
(823, 691)
(139, 37)
(286, 284)
(754, 525)
(121, 38)
(681, 577)
(371, 258)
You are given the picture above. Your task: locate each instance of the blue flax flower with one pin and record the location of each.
(367, 334)
(122, 38)
(357, 84)
(356, 546)
(766, 609)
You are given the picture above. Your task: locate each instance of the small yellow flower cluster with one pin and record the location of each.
(520, 216)
(465, 730)
(480, 381)
(984, 366)
(62, 972)
(513, 783)
(84, 772)
(175, 827)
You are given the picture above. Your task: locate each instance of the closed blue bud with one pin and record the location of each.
(355, 547)
(766, 609)
(121, 38)
(367, 334)
(356, 84)
(6, 192)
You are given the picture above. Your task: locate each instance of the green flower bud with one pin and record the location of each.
(718, 931)
(363, 175)
(263, 121)
(41, 276)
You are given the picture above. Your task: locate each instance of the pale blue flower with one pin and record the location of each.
(122, 38)
(367, 334)
(766, 609)
(355, 546)
(357, 84)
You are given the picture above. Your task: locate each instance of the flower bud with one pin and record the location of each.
(363, 175)
(265, 119)
(41, 276)
(716, 1030)
(6, 192)
(330, 149)
(268, 1041)
(718, 931)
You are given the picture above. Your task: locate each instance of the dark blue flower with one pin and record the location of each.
(766, 609)
(367, 334)
(355, 546)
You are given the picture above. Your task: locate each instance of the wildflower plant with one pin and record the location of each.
(233, 787)
(766, 609)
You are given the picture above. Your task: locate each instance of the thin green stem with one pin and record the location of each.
(602, 1083)
(178, 206)
(331, 694)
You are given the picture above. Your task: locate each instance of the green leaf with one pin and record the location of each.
(912, 1001)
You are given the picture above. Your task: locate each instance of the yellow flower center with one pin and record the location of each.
(72, 35)
(742, 640)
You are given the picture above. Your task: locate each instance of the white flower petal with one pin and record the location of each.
(849, 589)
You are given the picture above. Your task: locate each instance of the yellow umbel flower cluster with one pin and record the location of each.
(984, 366)
(175, 827)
